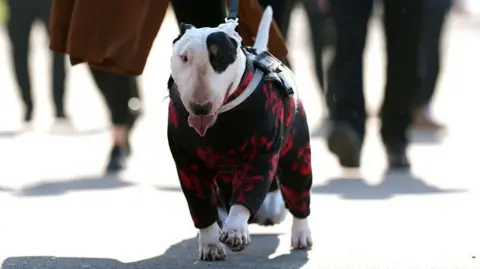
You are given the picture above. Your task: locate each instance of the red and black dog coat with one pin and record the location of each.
(263, 139)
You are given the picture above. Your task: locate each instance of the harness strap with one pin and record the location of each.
(257, 78)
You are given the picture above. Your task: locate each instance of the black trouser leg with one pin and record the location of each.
(402, 27)
(19, 27)
(430, 54)
(316, 21)
(206, 13)
(58, 63)
(116, 89)
(345, 97)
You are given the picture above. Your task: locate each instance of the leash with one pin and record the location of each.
(232, 11)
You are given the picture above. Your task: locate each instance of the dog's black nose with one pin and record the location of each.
(201, 110)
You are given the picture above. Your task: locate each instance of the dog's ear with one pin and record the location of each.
(222, 50)
(230, 29)
(183, 28)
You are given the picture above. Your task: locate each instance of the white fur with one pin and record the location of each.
(235, 232)
(301, 235)
(273, 208)
(210, 247)
(261, 40)
(197, 73)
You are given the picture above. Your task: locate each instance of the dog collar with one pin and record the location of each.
(252, 85)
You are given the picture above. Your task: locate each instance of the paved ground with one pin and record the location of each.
(58, 210)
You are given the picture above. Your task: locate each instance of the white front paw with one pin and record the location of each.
(210, 247)
(273, 209)
(235, 233)
(301, 235)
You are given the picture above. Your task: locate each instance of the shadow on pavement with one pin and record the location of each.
(5, 189)
(9, 134)
(169, 188)
(393, 184)
(59, 187)
(181, 255)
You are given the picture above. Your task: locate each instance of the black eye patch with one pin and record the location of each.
(222, 51)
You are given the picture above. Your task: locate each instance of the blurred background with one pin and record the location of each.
(57, 200)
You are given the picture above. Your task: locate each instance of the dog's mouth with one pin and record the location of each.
(202, 123)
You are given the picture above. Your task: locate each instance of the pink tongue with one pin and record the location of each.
(201, 123)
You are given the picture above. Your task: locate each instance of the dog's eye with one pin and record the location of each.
(184, 58)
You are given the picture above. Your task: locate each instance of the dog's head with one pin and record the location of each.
(206, 65)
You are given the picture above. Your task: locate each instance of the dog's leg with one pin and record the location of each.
(296, 181)
(273, 209)
(301, 234)
(235, 228)
(210, 247)
(198, 188)
(248, 195)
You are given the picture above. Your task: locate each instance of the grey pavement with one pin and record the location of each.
(58, 210)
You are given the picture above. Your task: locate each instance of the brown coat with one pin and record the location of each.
(118, 39)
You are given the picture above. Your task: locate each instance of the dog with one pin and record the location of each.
(233, 130)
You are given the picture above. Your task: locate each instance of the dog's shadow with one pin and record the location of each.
(181, 255)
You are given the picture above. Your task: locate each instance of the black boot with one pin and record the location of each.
(27, 116)
(344, 142)
(397, 157)
(118, 159)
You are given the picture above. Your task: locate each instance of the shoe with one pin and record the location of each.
(27, 117)
(422, 121)
(397, 158)
(344, 142)
(118, 159)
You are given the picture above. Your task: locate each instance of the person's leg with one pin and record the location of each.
(19, 27)
(316, 22)
(58, 63)
(288, 15)
(429, 64)
(345, 97)
(403, 31)
(116, 89)
(206, 13)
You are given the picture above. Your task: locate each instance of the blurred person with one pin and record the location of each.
(434, 16)
(119, 40)
(122, 97)
(322, 32)
(111, 41)
(345, 95)
(22, 15)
